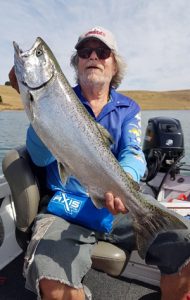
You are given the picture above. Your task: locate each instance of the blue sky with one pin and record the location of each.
(153, 35)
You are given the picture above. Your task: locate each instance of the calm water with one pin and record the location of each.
(13, 125)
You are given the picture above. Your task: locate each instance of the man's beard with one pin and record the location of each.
(93, 80)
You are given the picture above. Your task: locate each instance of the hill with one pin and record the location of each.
(169, 100)
(148, 100)
(11, 99)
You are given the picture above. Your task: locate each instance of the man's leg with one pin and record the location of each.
(176, 286)
(122, 233)
(171, 253)
(52, 289)
(57, 258)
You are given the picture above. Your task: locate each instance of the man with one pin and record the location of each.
(58, 255)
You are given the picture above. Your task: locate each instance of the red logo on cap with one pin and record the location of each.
(95, 31)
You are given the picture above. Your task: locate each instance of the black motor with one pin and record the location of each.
(163, 144)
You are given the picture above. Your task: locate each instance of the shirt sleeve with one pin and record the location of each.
(131, 156)
(38, 152)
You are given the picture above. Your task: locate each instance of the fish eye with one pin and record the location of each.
(39, 52)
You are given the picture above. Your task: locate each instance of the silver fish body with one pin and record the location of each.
(80, 144)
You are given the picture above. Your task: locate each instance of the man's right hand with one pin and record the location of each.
(13, 80)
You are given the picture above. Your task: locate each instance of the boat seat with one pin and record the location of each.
(28, 191)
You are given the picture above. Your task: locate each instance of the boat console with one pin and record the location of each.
(163, 145)
(164, 149)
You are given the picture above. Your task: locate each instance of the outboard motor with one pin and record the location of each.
(163, 145)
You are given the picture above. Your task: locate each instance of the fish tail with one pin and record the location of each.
(147, 227)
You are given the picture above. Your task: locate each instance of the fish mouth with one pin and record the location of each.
(19, 53)
(17, 49)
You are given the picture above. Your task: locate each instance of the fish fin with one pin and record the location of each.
(147, 227)
(97, 201)
(106, 135)
(63, 171)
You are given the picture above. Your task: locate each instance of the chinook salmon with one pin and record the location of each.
(80, 144)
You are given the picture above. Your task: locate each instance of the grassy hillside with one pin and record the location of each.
(11, 99)
(148, 100)
(176, 100)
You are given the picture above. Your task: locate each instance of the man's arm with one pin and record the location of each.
(38, 152)
(131, 159)
(130, 154)
(13, 79)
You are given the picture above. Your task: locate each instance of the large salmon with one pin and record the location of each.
(80, 144)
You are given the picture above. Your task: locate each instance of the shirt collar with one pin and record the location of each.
(115, 100)
(113, 97)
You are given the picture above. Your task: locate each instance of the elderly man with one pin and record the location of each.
(59, 254)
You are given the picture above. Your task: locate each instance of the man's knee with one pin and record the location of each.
(55, 290)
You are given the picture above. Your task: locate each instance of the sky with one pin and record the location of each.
(153, 36)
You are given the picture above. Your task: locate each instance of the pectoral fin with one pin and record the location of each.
(64, 172)
(98, 201)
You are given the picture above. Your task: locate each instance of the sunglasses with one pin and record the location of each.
(102, 53)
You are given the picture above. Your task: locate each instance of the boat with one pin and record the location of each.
(114, 274)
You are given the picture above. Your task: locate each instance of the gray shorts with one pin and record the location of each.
(62, 251)
(58, 250)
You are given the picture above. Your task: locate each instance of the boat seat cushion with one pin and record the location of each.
(23, 185)
(109, 258)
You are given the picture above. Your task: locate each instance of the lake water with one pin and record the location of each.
(13, 125)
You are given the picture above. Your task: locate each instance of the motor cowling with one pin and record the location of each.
(163, 144)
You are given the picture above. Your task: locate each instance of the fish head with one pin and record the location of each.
(34, 69)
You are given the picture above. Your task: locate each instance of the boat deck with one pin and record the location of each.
(102, 286)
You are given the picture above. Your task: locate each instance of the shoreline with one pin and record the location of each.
(142, 109)
(6, 107)
(147, 100)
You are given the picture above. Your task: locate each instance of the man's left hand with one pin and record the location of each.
(114, 204)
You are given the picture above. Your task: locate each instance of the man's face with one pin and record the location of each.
(94, 70)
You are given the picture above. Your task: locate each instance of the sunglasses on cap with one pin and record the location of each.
(102, 53)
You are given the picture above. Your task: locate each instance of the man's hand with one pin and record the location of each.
(114, 204)
(13, 80)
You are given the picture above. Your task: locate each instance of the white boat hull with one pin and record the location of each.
(9, 249)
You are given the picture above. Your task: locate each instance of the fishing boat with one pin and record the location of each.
(114, 275)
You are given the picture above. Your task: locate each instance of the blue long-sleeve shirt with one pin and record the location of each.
(121, 117)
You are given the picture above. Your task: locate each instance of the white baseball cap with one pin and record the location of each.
(101, 34)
